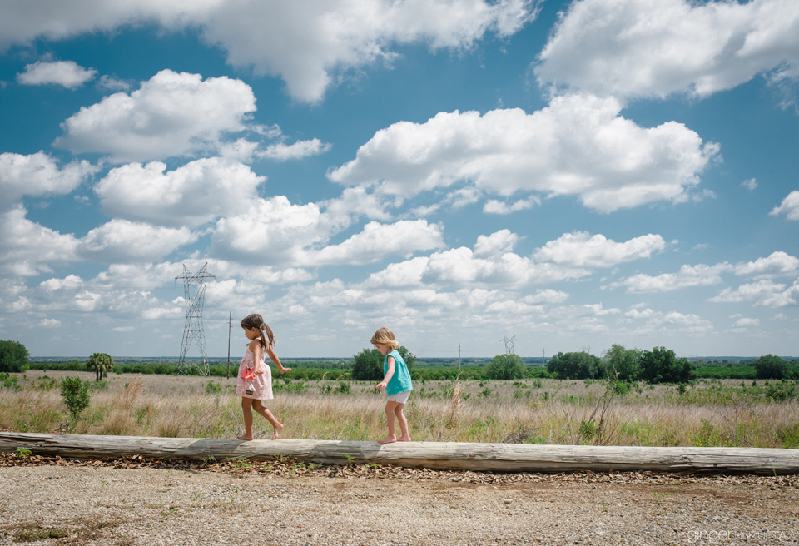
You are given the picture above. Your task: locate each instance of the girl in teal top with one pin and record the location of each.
(397, 383)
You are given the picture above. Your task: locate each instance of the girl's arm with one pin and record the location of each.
(255, 349)
(389, 374)
(273, 357)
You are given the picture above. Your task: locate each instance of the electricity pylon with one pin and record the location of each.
(194, 286)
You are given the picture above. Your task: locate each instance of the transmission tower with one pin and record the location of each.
(509, 345)
(194, 285)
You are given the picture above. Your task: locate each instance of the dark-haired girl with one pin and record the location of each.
(255, 376)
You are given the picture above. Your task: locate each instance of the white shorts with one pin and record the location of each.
(400, 397)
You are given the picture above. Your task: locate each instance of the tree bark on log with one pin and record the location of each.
(437, 455)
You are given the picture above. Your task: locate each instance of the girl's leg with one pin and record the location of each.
(403, 424)
(392, 436)
(246, 406)
(269, 417)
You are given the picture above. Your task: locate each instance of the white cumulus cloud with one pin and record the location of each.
(743, 322)
(302, 148)
(65, 73)
(653, 48)
(27, 248)
(38, 174)
(191, 195)
(124, 241)
(578, 145)
(309, 44)
(171, 114)
(580, 249)
(688, 275)
(789, 206)
(778, 264)
(764, 292)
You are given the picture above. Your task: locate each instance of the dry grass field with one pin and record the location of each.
(709, 413)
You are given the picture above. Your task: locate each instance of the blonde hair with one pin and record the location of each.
(384, 336)
(257, 321)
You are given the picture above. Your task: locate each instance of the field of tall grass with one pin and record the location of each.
(707, 413)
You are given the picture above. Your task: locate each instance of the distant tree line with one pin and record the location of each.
(660, 365)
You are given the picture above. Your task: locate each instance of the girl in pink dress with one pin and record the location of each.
(255, 376)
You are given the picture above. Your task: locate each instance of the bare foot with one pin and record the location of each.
(404, 439)
(278, 428)
(245, 437)
(387, 440)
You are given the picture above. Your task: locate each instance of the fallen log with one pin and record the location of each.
(437, 455)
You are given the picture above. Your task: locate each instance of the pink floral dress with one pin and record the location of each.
(260, 386)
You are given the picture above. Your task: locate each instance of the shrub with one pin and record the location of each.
(621, 363)
(343, 388)
(576, 365)
(660, 365)
(368, 364)
(771, 367)
(13, 356)
(505, 367)
(75, 394)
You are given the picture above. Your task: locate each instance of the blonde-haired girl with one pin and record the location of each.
(397, 383)
(255, 376)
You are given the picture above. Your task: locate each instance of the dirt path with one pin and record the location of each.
(288, 504)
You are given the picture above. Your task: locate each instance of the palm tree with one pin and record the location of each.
(99, 362)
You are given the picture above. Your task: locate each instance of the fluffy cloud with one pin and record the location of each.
(778, 264)
(658, 321)
(376, 242)
(38, 174)
(191, 195)
(652, 48)
(124, 241)
(27, 248)
(578, 249)
(172, 114)
(688, 275)
(66, 73)
(308, 44)
(273, 231)
(499, 242)
(743, 322)
(267, 231)
(493, 206)
(298, 150)
(578, 145)
(461, 267)
(764, 292)
(789, 207)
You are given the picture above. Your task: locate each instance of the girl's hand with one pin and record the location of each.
(284, 370)
(381, 385)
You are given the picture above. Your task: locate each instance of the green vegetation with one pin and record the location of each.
(100, 363)
(771, 367)
(75, 394)
(368, 364)
(576, 365)
(13, 356)
(505, 367)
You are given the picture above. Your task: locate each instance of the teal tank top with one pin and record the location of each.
(401, 380)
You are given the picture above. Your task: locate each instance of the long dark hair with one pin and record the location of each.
(257, 321)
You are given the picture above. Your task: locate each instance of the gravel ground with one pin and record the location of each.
(128, 501)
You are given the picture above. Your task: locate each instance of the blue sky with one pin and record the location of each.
(574, 174)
